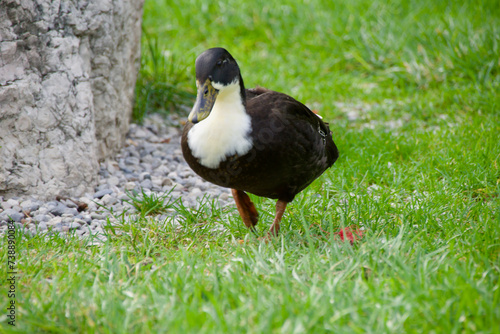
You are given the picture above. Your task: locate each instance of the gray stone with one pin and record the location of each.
(42, 226)
(42, 211)
(196, 192)
(167, 182)
(85, 218)
(57, 208)
(11, 214)
(54, 221)
(101, 193)
(162, 170)
(10, 203)
(30, 206)
(147, 184)
(67, 79)
(146, 167)
(172, 176)
(190, 181)
(186, 174)
(141, 133)
(95, 224)
(148, 148)
(102, 186)
(123, 197)
(108, 200)
(41, 218)
(71, 212)
(113, 181)
(80, 221)
(92, 206)
(144, 176)
(70, 204)
(96, 216)
(103, 173)
(155, 163)
(132, 161)
(132, 177)
(157, 181)
(57, 227)
(125, 169)
(17, 208)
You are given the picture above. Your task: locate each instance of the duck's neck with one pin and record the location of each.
(226, 131)
(231, 89)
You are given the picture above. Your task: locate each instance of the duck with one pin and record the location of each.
(255, 141)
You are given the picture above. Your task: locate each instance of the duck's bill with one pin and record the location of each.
(205, 101)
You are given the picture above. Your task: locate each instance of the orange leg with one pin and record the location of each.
(246, 208)
(280, 209)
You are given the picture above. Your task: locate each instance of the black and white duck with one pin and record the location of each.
(252, 140)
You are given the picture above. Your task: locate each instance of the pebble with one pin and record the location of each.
(54, 221)
(109, 200)
(70, 204)
(145, 176)
(130, 185)
(102, 193)
(41, 218)
(57, 208)
(151, 161)
(113, 181)
(30, 206)
(9, 204)
(70, 211)
(196, 192)
(85, 218)
(12, 214)
(147, 184)
(97, 216)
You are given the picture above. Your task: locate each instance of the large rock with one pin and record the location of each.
(67, 77)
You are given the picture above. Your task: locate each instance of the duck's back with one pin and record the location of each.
(292, 146)
(297, 144)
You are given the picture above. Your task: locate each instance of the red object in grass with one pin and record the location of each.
(351, 233)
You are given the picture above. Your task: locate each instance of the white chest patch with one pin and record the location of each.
(225, 132)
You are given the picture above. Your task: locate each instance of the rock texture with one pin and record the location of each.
(67, 76)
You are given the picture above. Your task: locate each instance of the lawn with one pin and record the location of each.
(411, 92)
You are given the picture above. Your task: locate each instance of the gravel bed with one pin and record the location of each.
(150, 161)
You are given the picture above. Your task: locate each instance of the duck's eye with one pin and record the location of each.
(205, 92)
(221, 62)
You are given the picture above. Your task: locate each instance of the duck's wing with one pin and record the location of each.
(254, 92)
(280, 112)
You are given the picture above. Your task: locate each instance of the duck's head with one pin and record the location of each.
(217, 73)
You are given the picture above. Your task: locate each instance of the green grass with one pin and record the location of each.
(152, 204)
(419, 170)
